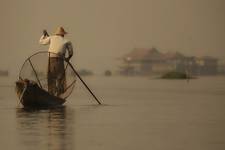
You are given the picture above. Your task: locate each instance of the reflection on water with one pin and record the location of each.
(55, 125)
(139, 113)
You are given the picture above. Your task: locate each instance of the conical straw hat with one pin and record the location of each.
(60, 31)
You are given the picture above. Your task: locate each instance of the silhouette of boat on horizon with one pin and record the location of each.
(4, 73)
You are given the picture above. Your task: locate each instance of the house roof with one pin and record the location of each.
(207, 58)
(173, 55)
(141, 54)
(152, 54)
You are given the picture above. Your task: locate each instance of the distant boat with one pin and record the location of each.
(108, 73)
(4, 73)
(85, 72)
(176, 75)
(32, 86)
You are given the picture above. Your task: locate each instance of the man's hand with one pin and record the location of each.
(68, 58)
(45, 33)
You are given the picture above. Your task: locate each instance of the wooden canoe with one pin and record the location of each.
(31, 95)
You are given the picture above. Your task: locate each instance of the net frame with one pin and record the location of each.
(37, 79)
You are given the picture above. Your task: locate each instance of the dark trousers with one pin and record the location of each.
(56, 76)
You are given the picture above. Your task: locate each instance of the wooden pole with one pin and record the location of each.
(85, 85)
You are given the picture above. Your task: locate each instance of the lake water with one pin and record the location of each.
(138, 113)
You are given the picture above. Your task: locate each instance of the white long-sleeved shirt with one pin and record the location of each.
(57, 45)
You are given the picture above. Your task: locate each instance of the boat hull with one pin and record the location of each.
(31, 95)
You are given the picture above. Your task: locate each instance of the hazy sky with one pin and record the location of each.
(103, 30)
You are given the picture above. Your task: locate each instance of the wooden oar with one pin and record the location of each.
(85, 84)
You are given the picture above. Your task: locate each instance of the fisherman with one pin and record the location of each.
(58, 46)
